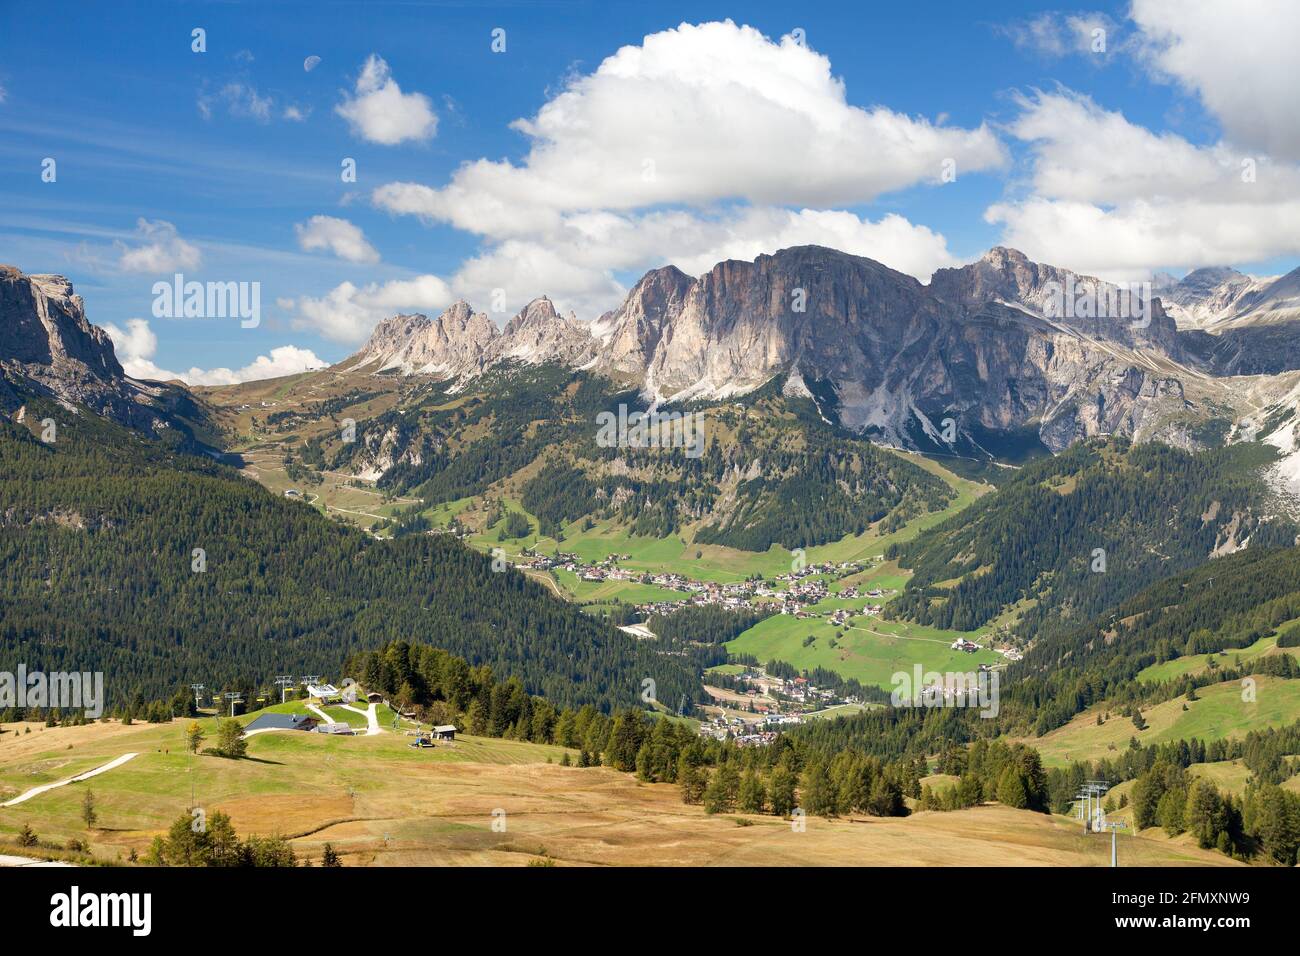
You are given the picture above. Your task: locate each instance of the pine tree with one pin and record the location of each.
(694, 780)
(720, 794)
(782, 795)
(1011, 790)
(88, 813)
(818, 790)
(753, 795)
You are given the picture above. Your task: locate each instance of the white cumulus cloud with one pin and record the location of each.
(1113, 198)
(1238, 58)
(337, 236)
(136, 346)
(380, 112)
(576, 265)
(348, 313)
(698, 114)
(702, 141)
(163, 250)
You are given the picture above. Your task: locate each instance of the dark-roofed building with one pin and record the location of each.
(282, 722)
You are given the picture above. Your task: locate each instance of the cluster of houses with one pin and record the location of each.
(755, 732)
(792, 593)
(961, 644)
(775, 703)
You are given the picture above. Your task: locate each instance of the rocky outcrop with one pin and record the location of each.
(1207, 296)
(453, 345)
(987, 345)
(629, 335)
(48, 346)
(1253, 323)
(1002, 346)
(462, 343)
(540, 334)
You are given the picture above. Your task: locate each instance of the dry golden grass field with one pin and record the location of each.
(381, 803)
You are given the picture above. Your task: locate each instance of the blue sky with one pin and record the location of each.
(694, 145)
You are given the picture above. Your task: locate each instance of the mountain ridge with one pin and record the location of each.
(999, 353)
(899, 356)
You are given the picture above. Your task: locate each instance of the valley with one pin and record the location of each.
(528, 435)
(689, 636)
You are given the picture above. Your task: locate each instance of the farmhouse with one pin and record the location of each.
(444, 732)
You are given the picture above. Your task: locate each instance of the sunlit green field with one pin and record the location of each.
(870, 650)
(1198, 663)
(706, 562)
(1219, 713)
(287, 775)
(631, 592)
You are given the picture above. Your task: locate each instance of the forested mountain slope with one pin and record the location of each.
(1227, 604)
(98, 533)
(1074, 535)
(767, 469)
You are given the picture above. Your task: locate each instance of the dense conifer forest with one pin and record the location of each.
(1076, 534)
(99, 571)
(780, 477)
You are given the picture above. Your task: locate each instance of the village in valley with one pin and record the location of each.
(790, 593)
(760, 705)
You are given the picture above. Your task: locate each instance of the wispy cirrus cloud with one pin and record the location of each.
(1053, 34)
(240, 100)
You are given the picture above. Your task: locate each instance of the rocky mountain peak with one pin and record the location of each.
(48, 345)
(540, 313)
(629, 335)
(540, 334)
(453, 344)
(43, 322)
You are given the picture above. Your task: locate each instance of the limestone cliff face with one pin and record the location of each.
(48, 345)
(986, 345)
(1002, 345)
(540, 334)
(452, 345)
(629, 336)
(462, 343)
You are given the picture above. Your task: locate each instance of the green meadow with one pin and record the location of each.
(283, 770)
(1219, 713)
(869, 649)
(1193, 664)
